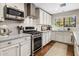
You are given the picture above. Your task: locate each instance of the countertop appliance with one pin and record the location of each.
(36, 39)
(4, 30)
(44, 27)
(11, 13)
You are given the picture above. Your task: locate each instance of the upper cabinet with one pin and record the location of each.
(43, 17)
(29, 10)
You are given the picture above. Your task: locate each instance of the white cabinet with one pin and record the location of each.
(53, 36)
(59, 36)
(26, 47)
(50, 19)
(44, 17)
(46, 37)
(50, 35)
(43, 38)
(67, 37)
(47, 19)
(41, 16)
(12, 50)
(62, 36)
(16, 47)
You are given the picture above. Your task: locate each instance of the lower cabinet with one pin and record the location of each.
(12, 50)
(46, 37)
(67, 37)
(25, 48)
(53, 36)
(61, 36)
(16, 47)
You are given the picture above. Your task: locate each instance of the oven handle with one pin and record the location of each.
(37, 37)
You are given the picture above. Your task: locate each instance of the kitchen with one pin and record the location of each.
(39, 29)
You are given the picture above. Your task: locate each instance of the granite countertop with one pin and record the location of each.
(12, 37)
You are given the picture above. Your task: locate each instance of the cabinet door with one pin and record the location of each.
(49, 20)
(43, 39)
(26, 48)
(59, 36)
(49, 36)
(41, 16)
(12, 50)
(44, 18)
(67, 37)
(53, 36)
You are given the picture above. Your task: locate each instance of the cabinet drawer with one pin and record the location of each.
(15, 41)
(25, 42)
(8, 43)
(24, 39)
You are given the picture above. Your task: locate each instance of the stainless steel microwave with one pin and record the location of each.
(11, 13)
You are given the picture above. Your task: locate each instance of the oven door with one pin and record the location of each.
(37, 43)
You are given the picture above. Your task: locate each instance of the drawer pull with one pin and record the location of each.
(9, 42)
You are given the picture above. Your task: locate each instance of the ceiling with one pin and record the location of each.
(53, 8)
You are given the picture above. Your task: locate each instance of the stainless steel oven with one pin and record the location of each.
(36, 43)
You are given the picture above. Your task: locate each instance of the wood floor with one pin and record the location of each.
(70, 50)
(45, 49)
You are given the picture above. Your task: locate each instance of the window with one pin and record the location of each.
(66, 22)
